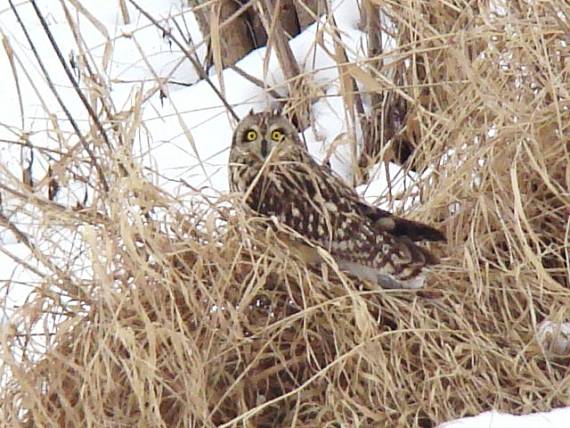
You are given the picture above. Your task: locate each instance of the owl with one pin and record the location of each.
(270, 165)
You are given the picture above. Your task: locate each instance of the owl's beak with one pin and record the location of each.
(264, 148)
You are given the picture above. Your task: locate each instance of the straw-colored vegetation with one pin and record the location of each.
(196, 316)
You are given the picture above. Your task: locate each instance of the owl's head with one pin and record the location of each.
(258, 133)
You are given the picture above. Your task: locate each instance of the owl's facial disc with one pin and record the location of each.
(260, 133)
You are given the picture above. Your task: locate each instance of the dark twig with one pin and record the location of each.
(86, 216)
(91, 75)
(196, 63)
(32, 146)
(255, 81)
(188, 54)
(54, 91)
(24, 239)
(69, 74)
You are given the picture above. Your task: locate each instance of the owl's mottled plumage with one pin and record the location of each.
(272, 167)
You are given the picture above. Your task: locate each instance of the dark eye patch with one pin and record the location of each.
(277, 134)
(250, 135)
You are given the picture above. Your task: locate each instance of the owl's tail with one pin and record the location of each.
(401, 227)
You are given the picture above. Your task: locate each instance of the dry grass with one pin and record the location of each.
(198, 317)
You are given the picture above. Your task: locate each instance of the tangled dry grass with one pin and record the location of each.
(199, 317)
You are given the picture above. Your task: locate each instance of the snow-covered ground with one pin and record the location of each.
(556, 418)
(186, 136)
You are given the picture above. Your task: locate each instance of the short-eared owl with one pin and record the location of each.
(270, 164)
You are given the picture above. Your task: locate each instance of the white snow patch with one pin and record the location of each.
(557, 418)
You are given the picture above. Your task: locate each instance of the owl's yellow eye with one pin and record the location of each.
(276, 135)
(251, 135)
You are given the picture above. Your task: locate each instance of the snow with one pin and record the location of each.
(184, 143)
(556, 418)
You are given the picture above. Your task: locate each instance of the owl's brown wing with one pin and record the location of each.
(384, 220)
(401, 227)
